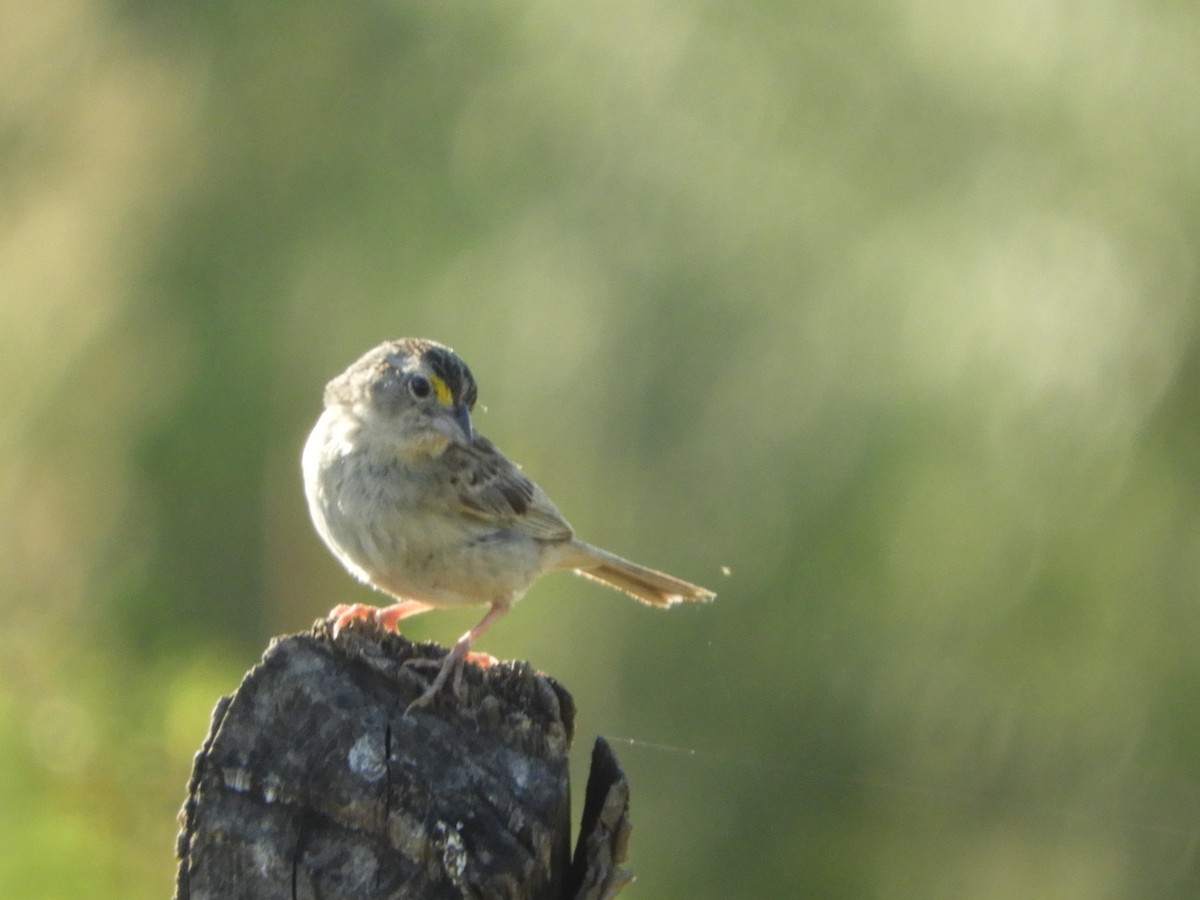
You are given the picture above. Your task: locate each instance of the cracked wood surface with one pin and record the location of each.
(314, 782)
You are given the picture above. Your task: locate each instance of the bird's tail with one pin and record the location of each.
(647, 585)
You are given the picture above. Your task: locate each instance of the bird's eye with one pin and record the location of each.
(419, 387)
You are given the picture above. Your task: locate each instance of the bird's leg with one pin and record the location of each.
(459, 653)
(387, 617)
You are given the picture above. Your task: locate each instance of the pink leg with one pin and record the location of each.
(386, 618)
(458, 654)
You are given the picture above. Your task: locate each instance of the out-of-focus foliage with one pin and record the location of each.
(889, 307)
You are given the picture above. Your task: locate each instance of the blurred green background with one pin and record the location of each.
(888, 307)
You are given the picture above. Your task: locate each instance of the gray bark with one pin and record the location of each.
(314, 782)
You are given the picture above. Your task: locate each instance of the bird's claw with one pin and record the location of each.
(452, 663)
(345, 613)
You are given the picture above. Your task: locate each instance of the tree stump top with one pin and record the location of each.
(315, 782)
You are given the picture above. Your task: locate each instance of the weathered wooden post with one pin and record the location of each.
(315, 783)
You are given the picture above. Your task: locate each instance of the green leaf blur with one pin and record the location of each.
(888, 308)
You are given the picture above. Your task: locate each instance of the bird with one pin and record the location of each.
(416, 503)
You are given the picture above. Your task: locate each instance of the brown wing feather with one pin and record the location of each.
(492, 488)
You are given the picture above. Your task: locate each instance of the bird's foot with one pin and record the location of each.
(345, 613)
(451, 665)
(387, 618)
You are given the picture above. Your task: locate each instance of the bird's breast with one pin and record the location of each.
(389, 526)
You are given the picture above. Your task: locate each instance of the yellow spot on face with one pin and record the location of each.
(444, 395)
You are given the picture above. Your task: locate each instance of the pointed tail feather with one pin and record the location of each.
(647, 585)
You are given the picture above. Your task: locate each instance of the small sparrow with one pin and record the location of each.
(418, 505)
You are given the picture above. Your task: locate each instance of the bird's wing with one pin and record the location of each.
(491, 488)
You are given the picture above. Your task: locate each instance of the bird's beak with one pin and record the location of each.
(456, 425)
